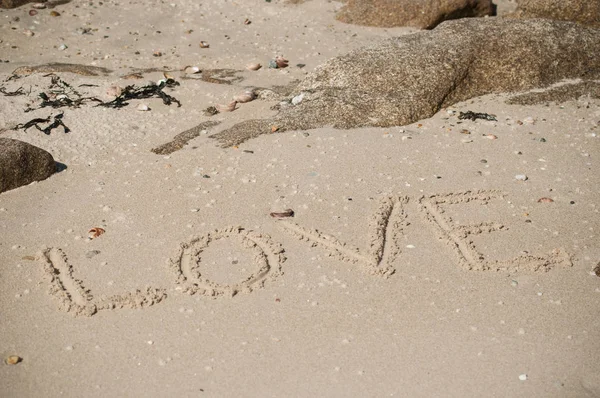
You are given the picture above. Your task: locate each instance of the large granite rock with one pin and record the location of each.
(424, 14)
(408, 78)
(22, 163)
(586, 12)
(14, 3)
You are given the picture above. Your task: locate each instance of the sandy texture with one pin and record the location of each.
(446, 257)
(423, 14)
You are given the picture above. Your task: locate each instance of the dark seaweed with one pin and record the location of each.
(48, 129)
(150, 91)
(474, 116)
(18, 91)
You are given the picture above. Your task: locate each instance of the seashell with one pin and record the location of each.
(204, 44)
(521, 177)
(54, 13)
(114, 91)
(274, 129)
(143, 107)
(39, 6)
(95, 232)
(28, 32)
(247, 96)
(157, 54)
(491, 137)
(32, 12)
(230, 107)
(284, 214)
(190, 70)
(281, 62)
(247, 21)
(168, 76)
(545, 200)
(13, 360)
(253, 66)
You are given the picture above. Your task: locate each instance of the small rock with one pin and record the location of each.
(143, 107)
(62, 47)
(298, 99)
(521, 177)
(523, 377)
(13, 360)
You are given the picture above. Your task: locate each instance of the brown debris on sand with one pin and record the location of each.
(84, 70)
(404, 79)
(424, 14)
(181, 139)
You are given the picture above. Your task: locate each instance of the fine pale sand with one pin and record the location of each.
(444, 258)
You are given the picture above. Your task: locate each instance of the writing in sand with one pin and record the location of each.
(385, 229)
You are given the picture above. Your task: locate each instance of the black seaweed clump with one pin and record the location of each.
(149, 91)
(48, 129)
(475, 115)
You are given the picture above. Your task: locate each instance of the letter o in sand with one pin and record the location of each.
(186, 264)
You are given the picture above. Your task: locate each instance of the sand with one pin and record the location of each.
(416, 263)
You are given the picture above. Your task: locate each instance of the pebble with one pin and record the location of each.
(521, 177)
(298, 99)
(62, 47)
(523, 377)
(13, 360)
(143, 107)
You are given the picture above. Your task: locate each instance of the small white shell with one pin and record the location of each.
(28, 32)
(230, 107)
(190, 70)
(39, 6)
(246, 96)
(204, 44)
(143, 107)
(253, 66)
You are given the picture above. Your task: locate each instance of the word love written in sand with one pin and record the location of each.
(386, 227)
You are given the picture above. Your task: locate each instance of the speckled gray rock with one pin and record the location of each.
(13, 3)
(424, 14)
(22, 163)
(586, 12)
(408, 78)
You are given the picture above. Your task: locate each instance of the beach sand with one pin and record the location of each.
(420, 260)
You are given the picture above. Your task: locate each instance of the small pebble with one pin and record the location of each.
(521, 177)
(13, 360)
(62, 47)
(523, 377)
